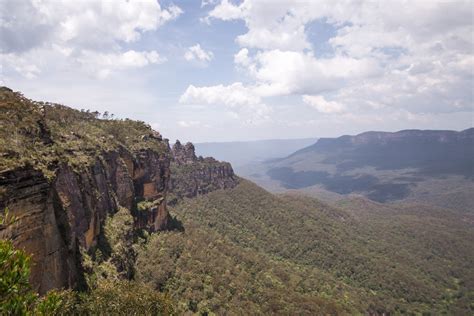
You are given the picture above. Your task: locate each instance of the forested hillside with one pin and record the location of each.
(246, 249)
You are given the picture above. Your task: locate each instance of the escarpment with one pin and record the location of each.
(63, 172)
(192, 176)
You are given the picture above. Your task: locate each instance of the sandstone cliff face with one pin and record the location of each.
(55, 220)
(41, 228)
(60, 183)
(192, 176)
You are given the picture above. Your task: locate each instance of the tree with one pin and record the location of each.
(16, 295)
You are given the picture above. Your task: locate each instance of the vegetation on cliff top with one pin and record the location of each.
(42, 135)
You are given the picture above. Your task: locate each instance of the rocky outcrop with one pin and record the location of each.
(151, 179)
(192, 176)
(63, 172)
(184, 155)
(53, 221)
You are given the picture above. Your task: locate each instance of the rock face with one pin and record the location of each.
(59, 200)
(55, 220)
(192, 176)
(184, 155)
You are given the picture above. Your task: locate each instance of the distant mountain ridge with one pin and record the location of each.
(376, 137)
(431, 151)
(384, 166)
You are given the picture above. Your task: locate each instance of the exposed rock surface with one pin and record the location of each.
(54, 220)
(192, 176)
(60, 201)
(184, 154)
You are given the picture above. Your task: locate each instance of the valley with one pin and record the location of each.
(242, 154)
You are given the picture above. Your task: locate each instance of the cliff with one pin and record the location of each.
(401, 138)
(63, 172)
(192, 176)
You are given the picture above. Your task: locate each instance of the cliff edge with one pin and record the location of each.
(63, 172)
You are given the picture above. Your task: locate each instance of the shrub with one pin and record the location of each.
(16, 296)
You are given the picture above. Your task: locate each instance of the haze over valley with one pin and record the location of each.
(242, 153)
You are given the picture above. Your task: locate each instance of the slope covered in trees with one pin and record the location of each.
(246, 249)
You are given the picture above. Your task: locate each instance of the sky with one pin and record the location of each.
(222, 70)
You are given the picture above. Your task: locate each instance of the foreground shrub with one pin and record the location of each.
(16, 296)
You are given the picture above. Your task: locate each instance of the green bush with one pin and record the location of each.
(119, 234)
(245, 250)
(39, 135)
(143, 206)
(16, 296)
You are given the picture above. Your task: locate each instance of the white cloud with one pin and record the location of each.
(88, 24)
(375, 24)
(242, 58)
(322, 105)
(197, 53)
(226, 11)
(235, 96)
(205, 3)
(271, 24)
(279, 72)
(416, 56)
(278, 38)
(33, 30)
(109, 62)
(287, 72)
(20, 65)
